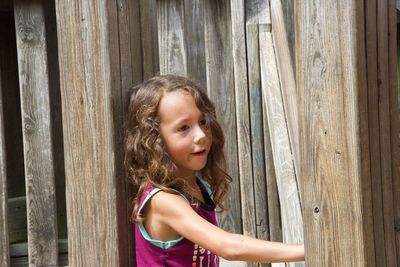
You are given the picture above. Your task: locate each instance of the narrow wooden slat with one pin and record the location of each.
(4, 240)
(220, 86)
(194, 38)
(396, 133)
(394, 96)
(38, 155)
(289, 17)
(90, 89)
(171, 37)
(331, 74)
(385, 131)
(56, 119)
(292, 223)
(11, 107)
(373, 96)
(242, 118)
(255, 11)
(149, 38)
(287, 80)
(130, 54)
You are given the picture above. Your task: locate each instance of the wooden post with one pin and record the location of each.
(90, 89)
(349, 142)
(257, 15)
(220, 86)
(171, 37)
(4, 251)
(37, 139)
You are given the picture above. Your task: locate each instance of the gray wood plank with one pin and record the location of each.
(4, 240)
(90, 88)
(130, 54)
(334, 144)
(255, 12)
(242, 118)
(149, 38)
(385, 129)
(220, 86)
(292, 223)
(171, 37)
(287, 81)
(194, 39)
(37, 139)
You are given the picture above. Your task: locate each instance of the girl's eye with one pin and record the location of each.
(203, 122)
(183, 128)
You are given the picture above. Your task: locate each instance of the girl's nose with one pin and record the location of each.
(199, 135)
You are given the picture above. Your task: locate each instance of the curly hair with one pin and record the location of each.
(146, 160)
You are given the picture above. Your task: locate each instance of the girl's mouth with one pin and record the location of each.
(200, 152)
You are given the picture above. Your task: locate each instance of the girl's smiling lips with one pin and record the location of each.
(199, 152)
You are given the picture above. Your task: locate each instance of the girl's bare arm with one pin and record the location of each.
(175, 212)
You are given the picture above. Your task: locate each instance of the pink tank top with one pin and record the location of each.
(180, 252)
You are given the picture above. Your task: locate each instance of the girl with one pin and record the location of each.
(174, 156)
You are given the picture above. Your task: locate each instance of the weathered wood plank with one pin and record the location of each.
(242, 117)
(396, 179)
(194, 38)
(4, 240)
(37, 138)
(171, 37)
(254, 13)
(56, 119)
(287, 80)
(373, 98)
(149, 38)
(385, 131)
(331, 73)
(289, 17)
(292, 223)
(130, 54)
(11, 107)
(220, 86)
(90, 75)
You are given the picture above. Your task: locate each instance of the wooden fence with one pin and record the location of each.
(67, 76)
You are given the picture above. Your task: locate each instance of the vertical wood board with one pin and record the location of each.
(37, 139)
(171, 37)
(220, 86)
(328, 72)
(292, 223)
(4, 240)
(242, 117)
(89, 72)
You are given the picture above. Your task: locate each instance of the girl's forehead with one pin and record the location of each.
(177, 103)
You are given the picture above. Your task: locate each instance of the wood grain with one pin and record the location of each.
(287, 81)
(220, 88)
(329, 74)
(255, 12)
(89, 67)
(292, 223)
(194, 40)
(4, 240)
(130, 60)
(242, 118)
(37, 139)
(149, 38)
(171, 37)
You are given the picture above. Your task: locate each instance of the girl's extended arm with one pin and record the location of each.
(175, 212)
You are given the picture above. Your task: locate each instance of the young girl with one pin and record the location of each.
(174, 156)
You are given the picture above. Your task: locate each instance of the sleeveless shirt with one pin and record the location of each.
(180, 252)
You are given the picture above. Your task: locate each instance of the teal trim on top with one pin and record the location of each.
(206, 185)
(158, 243)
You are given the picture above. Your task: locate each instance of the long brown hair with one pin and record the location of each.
(146, 160)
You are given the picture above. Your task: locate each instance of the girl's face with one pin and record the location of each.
(184, 132)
